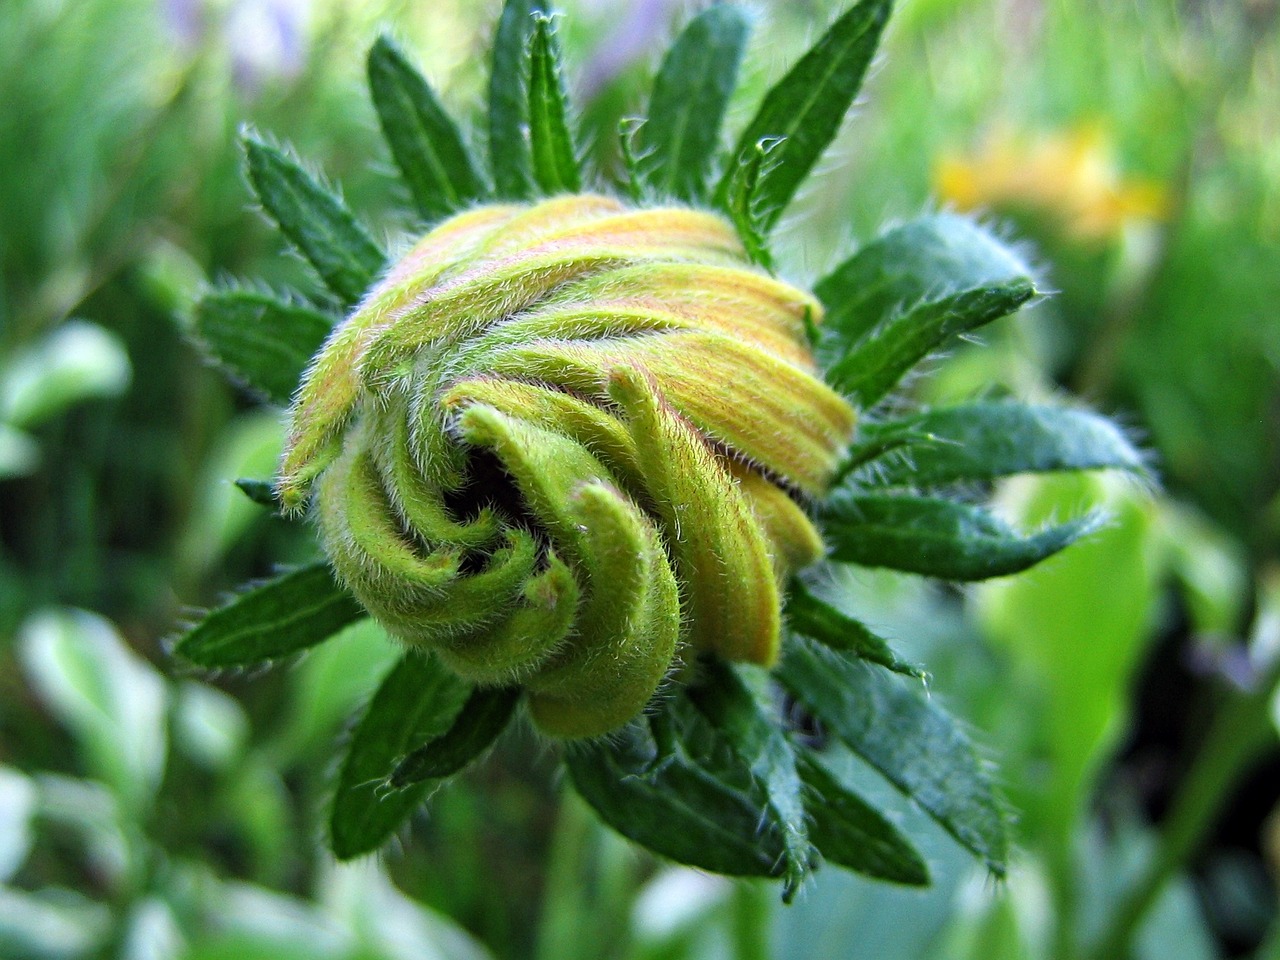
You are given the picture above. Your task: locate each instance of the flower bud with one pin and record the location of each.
(561, 444)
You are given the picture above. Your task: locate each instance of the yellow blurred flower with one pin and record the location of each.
(1071, 177)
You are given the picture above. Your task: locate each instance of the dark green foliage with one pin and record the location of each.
(555, 165)
(938, 538)
(696, 807)
(482, 718)
(262, 341)
(803, 112)
(316, 222)
(261, 492)
(988, 440)
(425, 142)
(905, 736)
(509, 99)
(416, 703)
(742, 712)
(850, 832)
(876, 365)
(909, 293)
(746, 202)
(276, 619)
(810, 616)
(681, 134)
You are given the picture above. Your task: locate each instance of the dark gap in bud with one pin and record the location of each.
(779, 481)
(487, 484)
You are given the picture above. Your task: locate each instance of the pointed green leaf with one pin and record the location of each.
(555, 166)
(315, 220)
(984, 441)
(812, 617)
(692, 89)
(278, 618)
(903, 734)
(426, 143)
(261, 341)
(874, 367)
(416, 703)
(746, 203)
(922, 261)
(483, 717)
(741, 712)
(908, 293)
(696, 806)
(938, 538)
(509, 100)
(850, 832)
(806, 107)
(628, 129)
(261, 492)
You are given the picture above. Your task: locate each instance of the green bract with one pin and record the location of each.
(575, 446)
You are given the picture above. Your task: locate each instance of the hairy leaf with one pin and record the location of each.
(983, 441)
(938, 538)
(278, 618)
(849, 831)
(692, 89)
(742, 714)
(424, 140)
(812, 617)
(804, 110)
(315, 220)
(509, 99)
(483, 717)
(925, 260)
(874, 367)
(699, 808)
(261, 341)
(904, 735)
(746, 203)
(416, 703)
(555, 167)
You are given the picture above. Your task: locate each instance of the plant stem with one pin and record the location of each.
(749, 916)
(1240, 732)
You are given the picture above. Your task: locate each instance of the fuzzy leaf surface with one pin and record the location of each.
(555, 166)
(260, 340)
(805, 108)
(690, 94)
(987, 440)
(316, 221)
(278, 618)
(812, 617)
(482, 718)
(938, 538)
(746, 203)
(425, 142)
(876, 365)
(509, 99)
(705, 812)
(416, 703)
(849, 831)
(901, 733)
(925, 260)
(741, 712)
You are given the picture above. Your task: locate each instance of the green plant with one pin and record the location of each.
(573, 449)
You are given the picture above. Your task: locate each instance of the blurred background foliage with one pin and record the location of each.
(1126, 690)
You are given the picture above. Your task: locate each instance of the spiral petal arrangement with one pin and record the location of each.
(562, 441)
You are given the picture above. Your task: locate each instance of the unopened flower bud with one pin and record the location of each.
(561, 443)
